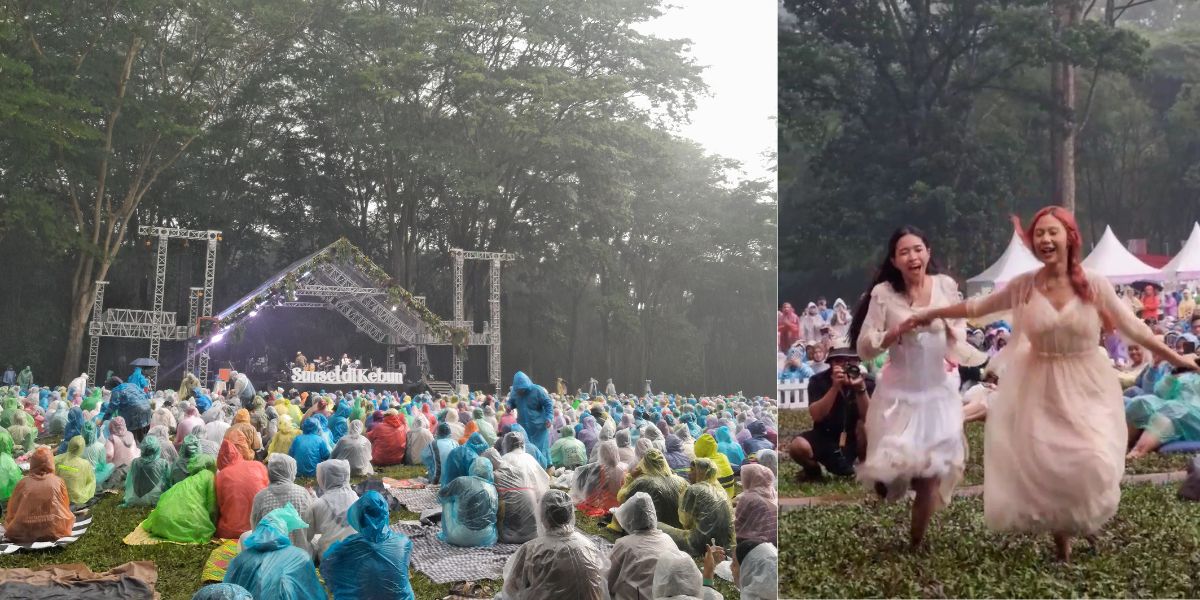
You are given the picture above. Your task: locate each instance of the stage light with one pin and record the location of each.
(253, 312)
(393, 308)
(218, 337)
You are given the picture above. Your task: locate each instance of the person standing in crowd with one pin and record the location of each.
(789, 327)
(10, 376)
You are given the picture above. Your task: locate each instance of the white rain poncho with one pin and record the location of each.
(469, 507)
(327, 516)
(758, 573)
(676, 577)
(520, 482)
(631, 574)
(560, 563)
(281, 471)
(355, 448)
(419, 438)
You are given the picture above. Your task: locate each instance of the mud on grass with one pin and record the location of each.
(1150, 549)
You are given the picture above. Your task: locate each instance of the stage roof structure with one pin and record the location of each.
(1186, 265)
(1016, 260)
(1111, 259)
(342, 278)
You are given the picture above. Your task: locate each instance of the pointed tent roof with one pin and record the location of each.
(1186, 265)
(1112, 260)
(1016, 260)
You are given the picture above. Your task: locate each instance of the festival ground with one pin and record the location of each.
(179, 566)
(837, 541)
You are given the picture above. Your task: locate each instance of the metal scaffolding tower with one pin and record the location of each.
(492, 326)
(155, 325)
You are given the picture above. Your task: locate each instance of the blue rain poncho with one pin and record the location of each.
(458, 463)
(222, 591)
(309, 449)
(270, 567)
(730, 448)
(138, 379)
(203, 402)
(73, 428)
(435, 454)
(373, 563)
(758, 439)
(469, 507)
(340, 423)
(535, 410)
(129, 401)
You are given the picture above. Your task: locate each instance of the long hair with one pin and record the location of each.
(887, 272)
(1079, 281)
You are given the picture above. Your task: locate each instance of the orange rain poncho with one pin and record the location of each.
(388, 440)
(241, 422)
(39, 509)
(238, 481)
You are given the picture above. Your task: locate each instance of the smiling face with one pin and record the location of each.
(1050, 240)
(911, 256)
(1135, 355)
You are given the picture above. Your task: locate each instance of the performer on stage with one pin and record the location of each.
(1054, 451)
(914, 420)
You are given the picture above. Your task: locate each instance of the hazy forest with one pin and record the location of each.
(409, 127)
(954, 114)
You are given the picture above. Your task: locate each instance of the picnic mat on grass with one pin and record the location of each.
(444, 563)
(218, 561)
(408, 484)
(132, 580)
(140, 537)
(83, 519)
(416, 500)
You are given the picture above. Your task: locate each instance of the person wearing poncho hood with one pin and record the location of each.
(270, 567)
(635, 555)
(25, 379)
(238, 482)
(10, 473)
(327, 516)
(535, 411)
(811, 324)
(39, 507)
(372, 563)
(149, 475)
(187, 512)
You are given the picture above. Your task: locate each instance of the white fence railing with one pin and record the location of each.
(792, 394)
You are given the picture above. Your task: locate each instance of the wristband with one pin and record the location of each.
(707, 582)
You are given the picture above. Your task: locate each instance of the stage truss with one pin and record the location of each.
(342, 285)
(156, 325)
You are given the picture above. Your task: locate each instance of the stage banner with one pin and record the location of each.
(340, 376)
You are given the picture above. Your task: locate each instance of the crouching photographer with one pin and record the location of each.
(838, 437)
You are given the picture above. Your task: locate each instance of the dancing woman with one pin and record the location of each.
(914, 420)
(1054, 448)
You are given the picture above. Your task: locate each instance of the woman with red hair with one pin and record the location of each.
(1054, 447)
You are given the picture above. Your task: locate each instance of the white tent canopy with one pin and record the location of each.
(1016, 260)
(1112, 260)
(1186, 265)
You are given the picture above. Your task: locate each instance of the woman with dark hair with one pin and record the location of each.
(1055, 438)
(914, 419)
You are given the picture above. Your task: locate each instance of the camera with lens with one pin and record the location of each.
(853, 371)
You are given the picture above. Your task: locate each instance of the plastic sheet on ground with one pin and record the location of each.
(417, 500)
(444, 563)
(133, 580)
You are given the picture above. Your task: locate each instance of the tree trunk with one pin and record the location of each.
(1066, 14)
(82, 305)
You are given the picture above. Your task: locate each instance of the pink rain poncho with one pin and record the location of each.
(756, 517)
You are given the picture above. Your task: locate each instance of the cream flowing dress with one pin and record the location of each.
(1054, 448)
(914, 419)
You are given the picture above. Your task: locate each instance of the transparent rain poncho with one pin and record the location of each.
(596, 484)
(676, 577)
(372, 563)
(625, 447)
(469, 508)
(756, 516)
(270, 567)
(559, 563)
(94, 452)
(655, 478)
(281, 472)
(758, 573)
(520, 482)
(187, 512)
(149, 475)
(327, 516)
(24, 435)
(419, 438)
(435, 454)
(222, 591)
(634, 556)
(705, 513)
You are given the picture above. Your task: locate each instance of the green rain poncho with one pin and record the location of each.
(485, 429)
(76, 472)
(11, 406)
(25, 378)
(656, 479)
(704, 511)
(95, 454)
(92, 400)
(149, 475)
(23, 435)
(567, 451)
(10, 473)
(188, 511)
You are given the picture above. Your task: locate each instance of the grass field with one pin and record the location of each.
(179, 567)
(792, 422)
(1151, 549)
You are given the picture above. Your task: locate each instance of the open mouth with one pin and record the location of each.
(1048, 250)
